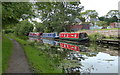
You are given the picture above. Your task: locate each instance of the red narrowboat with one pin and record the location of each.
(73, 36)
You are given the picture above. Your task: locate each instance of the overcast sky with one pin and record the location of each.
(101, 6)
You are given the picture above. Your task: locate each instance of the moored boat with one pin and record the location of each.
(35, 34)
(50, 35)
(73, 36)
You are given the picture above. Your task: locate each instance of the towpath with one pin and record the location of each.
(18, 62)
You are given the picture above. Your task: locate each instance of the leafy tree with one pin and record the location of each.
(12, 12)
(102, 18)
(39, 27)
(57, 15)
(112, 16)
(23, 28)
(89, 13)
(114, 19)
(110, 20)
(113, 13)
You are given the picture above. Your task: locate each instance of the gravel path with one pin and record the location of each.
(18, 62)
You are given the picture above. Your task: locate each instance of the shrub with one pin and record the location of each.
(23, 28)
(96, 36)
(8, 31)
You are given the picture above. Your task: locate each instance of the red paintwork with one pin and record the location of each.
(71, 47)
(34, 34)
(69, 35)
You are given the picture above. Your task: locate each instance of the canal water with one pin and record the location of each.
(81, 57)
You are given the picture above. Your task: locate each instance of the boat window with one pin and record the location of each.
(81, 35)
(66, 35)
(85, 35)
(74, 35)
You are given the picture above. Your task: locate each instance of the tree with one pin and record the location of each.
(112, 16)
(102, 18)
(113, 13)
(57, 15)
(89, 13)
(39, 27)
(12, 12)
(23, 28)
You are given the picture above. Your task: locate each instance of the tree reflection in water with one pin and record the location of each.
(67, 58)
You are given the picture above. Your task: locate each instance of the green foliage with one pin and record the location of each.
(112, 13)
(111, 16)
(109, 20)
(102, 23)
(39, 27)
(89, 13)
(95, 36)
(7, 46)
(39, 61)
(56, 15)
(9, 31)
(13, 11)
(23, 28)
(0, 54)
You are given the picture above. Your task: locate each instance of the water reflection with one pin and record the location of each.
(51, 42)
(82, 58)
(35, 39)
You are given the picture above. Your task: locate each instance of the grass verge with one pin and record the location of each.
(38, 60)
(0, 54)
(7, 47)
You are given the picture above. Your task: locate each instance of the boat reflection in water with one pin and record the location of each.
(64, 45)
(73, 56)
(35, 39)
(77, 58)
(51, 42)
(69, 46)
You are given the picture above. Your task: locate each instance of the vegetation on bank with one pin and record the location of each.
(38, 60)
(0, 54)
(100, 29)
(7, 47)
(95, 36)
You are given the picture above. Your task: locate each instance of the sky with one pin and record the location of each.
(101, 6)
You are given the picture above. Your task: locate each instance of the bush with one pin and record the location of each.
(8, 31)
(23, 28)
(96, 36)
(39, 27)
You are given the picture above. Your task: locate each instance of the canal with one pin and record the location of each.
(80, 57)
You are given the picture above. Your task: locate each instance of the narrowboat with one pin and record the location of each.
(50, 35)
(73, 36)
(35, 34)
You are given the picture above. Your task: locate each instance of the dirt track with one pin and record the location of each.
(18, 62)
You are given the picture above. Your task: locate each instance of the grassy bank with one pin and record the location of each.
(39, 61)
(95, 36)
(0, 54)
(7, 47)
